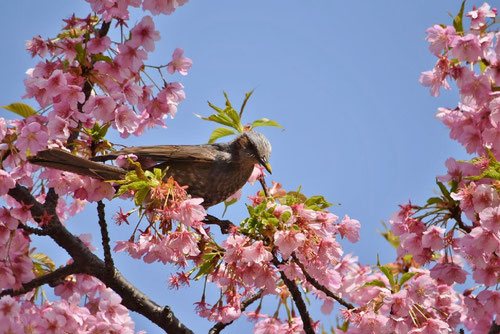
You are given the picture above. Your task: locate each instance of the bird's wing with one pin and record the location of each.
(165, 153)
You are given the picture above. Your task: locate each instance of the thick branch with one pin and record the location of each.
(218, 327)
(50, 278)
(298, 300)
(89, 263)
(319, 286)
(108, 260)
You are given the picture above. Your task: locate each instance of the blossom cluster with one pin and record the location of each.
(458, 234)
(84, 83)
(101, 311)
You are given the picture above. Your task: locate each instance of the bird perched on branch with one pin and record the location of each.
(211, 171)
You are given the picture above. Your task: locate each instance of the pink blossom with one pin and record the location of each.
(433, 238)
(434, 80)
(490, 299)
(490, 219)
(288, 241)
(349, 228)
(478, 16)
(184, 242)
(448, 273)
(484, 196)
(3, 128)
(485, 240)
(162, 6)
(258, 172)
(131, 57)
(467, 48)
(268, 326)
(57, 127)
(126, 120)
(37, 46)
(101, 107)
(256, 253)
(6, 182)
(179, 63)
(440, 38)
(144, 34)
(98, 44)
(432, 326)
(190, 211)
(33, 138)
(6, 219)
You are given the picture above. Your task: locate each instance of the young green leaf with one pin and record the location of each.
(22, 109)
(457, 21)
(265, 122)
(219, 133)
(405, 277)
(245, 100)
(388, 273)
(375, 282)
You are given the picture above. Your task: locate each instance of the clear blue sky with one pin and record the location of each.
(341, 76)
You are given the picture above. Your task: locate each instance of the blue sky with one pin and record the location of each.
(340, 76)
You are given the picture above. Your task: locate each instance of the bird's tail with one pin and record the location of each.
(65, 161)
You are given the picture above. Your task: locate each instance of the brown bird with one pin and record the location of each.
(211, 171)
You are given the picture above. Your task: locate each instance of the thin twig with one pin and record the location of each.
(108, 260)
(319, 286)
(218, 327)
(33, 230)
(51, 278)
(264, 186)
(297, 298)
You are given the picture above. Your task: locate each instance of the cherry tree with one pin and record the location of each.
(287, 250)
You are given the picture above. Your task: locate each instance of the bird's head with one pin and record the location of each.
(260, 148)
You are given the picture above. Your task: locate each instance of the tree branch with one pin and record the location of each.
(50, 278)
(218, 327)
(319, 286)
(88, 263)
(225, 225)
(297, 298)
(32, 230)
(108, 259)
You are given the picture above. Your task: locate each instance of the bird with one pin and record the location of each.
(213, 172)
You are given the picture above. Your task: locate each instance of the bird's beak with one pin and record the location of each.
(267, 166)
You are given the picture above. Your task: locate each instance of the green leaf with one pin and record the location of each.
(235, 118)
(208, 265)
(405, 277)
(375, 282)
(219, 133)
(214, 107)
(221, 119)
(245, 100)
(388, 273)
(101, 57)
(457, 21)
(434, 200)
(317, 203)
(22, 109)
(265, 122)
(444, 191)
(80, 53)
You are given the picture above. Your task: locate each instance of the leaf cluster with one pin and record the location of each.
(231, 120)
